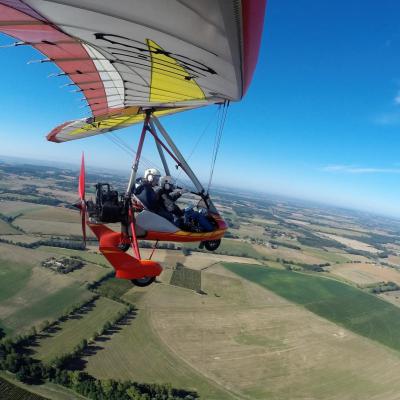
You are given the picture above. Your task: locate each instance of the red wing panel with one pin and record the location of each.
(21, 22)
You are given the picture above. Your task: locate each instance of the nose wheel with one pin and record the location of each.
(211, 245)
(143, 282)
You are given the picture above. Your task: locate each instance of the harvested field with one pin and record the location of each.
(203, 260)
(288, 254)
(13, 208)
(81, 325)
(248, 340)
(395, 260)
(392, 297)
(354, 244)
(366, 273)
(250, 230)
(195, 260)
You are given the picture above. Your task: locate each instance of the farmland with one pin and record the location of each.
(246, 339)
(9, 391)
(283, 309)
(330, 299)
(81, 325)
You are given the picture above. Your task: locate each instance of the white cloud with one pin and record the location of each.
(389, 118)
(351, 169)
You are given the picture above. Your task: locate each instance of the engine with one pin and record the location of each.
(109, 206)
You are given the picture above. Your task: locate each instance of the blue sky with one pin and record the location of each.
(321, 120)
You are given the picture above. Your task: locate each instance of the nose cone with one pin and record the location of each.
(78, 205)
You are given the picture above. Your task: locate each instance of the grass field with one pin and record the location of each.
(137, 353)
(114, 287)
(31, 293)
(20, 238)
(24, 311)
(80, 326)
(248, 340)
(7, 229)
(13, 277)
(48, 227)
(342, 304)
(56, 214)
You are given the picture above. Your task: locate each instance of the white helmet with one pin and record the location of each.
(152, 175)
(166, 182)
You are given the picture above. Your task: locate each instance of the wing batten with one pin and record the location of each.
(166, 55)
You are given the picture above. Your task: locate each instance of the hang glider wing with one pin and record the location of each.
(129, 55)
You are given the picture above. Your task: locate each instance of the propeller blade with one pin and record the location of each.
(83, 214)
(81, 191)
(81, 187)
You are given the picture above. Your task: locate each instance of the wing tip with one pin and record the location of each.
(52, 136)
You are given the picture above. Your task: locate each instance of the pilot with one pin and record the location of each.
(144, 189)
(167, 195)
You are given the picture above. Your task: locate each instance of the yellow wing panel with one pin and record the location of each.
(170, 82)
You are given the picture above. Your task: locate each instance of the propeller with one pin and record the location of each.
(82, 204)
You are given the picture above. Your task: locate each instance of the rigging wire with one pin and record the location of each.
(223, 111)
(210, 121)
(121, 144)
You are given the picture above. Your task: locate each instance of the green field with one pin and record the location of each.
(80, 326)
(29, 293)
(342, 304)
(114, 287)
(13, 277)
(44, 308)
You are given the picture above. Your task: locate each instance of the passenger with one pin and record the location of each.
(191, 220)
(144, 189)
(167, 195)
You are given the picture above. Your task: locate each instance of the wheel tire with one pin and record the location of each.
(143, 282)
(124, 246)
(212, 245)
